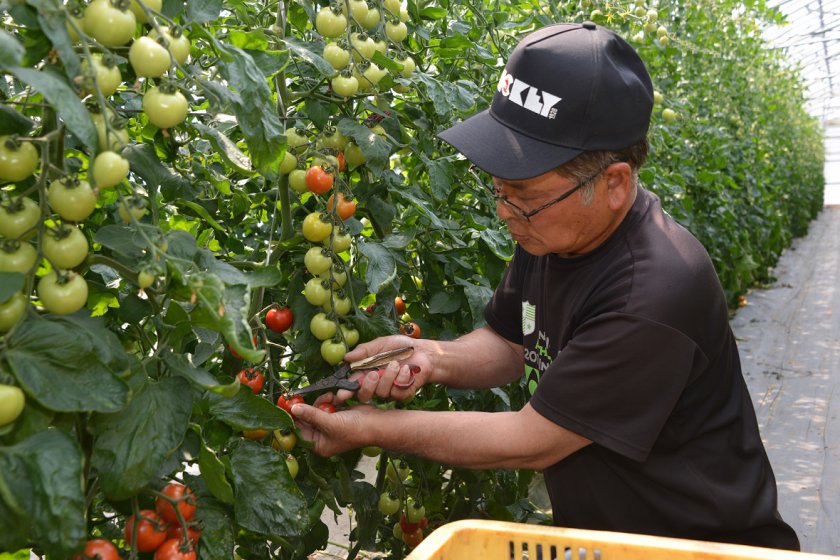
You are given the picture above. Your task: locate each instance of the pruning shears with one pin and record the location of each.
(338, 379)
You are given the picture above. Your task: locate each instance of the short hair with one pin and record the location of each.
(588, 163)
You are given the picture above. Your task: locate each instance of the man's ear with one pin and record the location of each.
(619, 185)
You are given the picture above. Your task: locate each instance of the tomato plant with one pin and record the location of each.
(151, 531)
(251, 378)
(279, 320)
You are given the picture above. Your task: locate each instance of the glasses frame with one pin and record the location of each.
(528, 214)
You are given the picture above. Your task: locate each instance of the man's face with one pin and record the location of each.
(569, 227)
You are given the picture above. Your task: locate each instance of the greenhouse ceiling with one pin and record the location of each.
(812, 37)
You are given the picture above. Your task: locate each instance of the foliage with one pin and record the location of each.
(205, 234)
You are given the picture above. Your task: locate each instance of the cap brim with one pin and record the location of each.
(503, 152)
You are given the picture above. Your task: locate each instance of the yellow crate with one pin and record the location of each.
(499, 540)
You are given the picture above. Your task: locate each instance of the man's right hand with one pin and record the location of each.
(395, 381)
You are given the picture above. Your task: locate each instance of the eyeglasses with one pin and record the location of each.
(528, 214)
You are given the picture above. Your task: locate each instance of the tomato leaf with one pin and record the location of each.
(12, 122)
(202, 11)
(381, 265)
(225, 147)
(217, 535)
(69, 363)
(307, 52)
(442, 303)
(53, 22)
(179, 364)
(247, 411)
(477, 297)
(11, 51)
(132, 444)
(268, 501)
(375, 149)
(10, 284)
(213, 473)
(41, 497)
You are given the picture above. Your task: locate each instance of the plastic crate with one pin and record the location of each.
(499, 540)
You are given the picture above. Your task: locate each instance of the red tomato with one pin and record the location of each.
(171, 550)
(406, 526)
(99, 548)
(286, 404)
(326, 407)
(186, 505)
(151, 531)
(317, 180)
(410, 329)
(252, 378)
(399, 305)
(177, 532)
(279, 320)
(344, 207)
(410, 538)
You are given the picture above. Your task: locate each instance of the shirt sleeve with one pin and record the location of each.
(503, 312)
(617, 381)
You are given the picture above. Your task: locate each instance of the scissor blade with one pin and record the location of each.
(383, 358)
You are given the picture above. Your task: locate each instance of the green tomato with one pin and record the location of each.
(297, 181)
(332, 138)
(71, 199)
(140, 13)
(669, 115)
(389, 503)
(18, 160)
(176, 42)
(64, 296)
(20, 259)
(371, 19)
(165, 109)
(131, 209)
(112, 134)
(338, 278)
(20, 216)
(396, 31)
(658, 97)
(65, 248)
(297, 139)
(393, 6)
(351, 336)
(315, 292)
(345, 86)
(109, 169)
(149, 58)
(333, 352)
(398, 473)
(317, 260)
(340, 305)
(353, 155)
(108, 24)
(363, 46)
(337, 57)
(330, 23)
(145, 278)
(315, 229)
(104, 72)
(341, 242)
(408, 64)
(11, 403)
(288, 164)
(11, 311)
(293, 465)
(371, 451)
(358, 9)
(414, 512)
(321, 327)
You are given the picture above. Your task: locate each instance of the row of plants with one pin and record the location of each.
(204, 205)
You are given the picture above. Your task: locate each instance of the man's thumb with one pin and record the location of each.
(305, 412)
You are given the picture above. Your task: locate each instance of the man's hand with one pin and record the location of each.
(336, 432)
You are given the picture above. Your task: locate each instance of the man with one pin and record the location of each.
(639, 417)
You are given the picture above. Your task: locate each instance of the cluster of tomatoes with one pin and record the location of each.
(412, 521)
(160, 531)
(354, 32)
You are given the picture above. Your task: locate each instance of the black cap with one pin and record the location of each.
(566, 89)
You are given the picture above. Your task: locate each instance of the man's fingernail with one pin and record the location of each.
(295, 407)
(374, 375)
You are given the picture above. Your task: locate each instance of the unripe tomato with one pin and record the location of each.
(104, 72)
(101, 549)
(151, 531)
(66, 247)
(251, 378)
(397, 471)
(333, 351)
(414, 512)
(12, 401)
(337, 57)
(297, 139)
(288, 164)
(18, 160)
(351, 337)
(131, 209)
(389, 503)
(345, 86)
(149, 58)
(176, 42)
(112, 135)
(71, 199)
(297, 181)
(393, 6)
(339, 305)
(108, 24)
(358, 9)
(11, 312)
(353, 155)
(341, 242)
(171, 550)
(371, 19)
(17, 258)
(321, 327)
(657, 97)
(186, 504)
(371, 451)
(317, 260)
(279, 320)
(669, 115)
(140, 13)
(315, 292)
(335, 278)
(65, 295)
(396, 31)
(370, 77)
(315, 229)
(20, 216)
(333, 138)
(109, 169)
(363, 46)
(165, 108)
(292, 465)
(145, 279)
(284, 439)
(408, 65)
(330, 23)
(344, 208)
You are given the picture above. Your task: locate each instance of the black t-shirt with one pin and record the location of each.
(630, 346)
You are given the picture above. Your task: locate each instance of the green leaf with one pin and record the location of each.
(268, 501)
(66, 101)
(217, 534)
(225, 147)
(11, 121)
(10, 284)
(145, 162)
(202, 11)
(375, 149)
(443, 302)
(179, 364)
(381, 265)
(202, 213)
(11, 51)
(69, 363)
(131, 445)
(477, 297)
(440, 177)
(265, 277)
(41, 497)
(247, 411)
(53, 20)
(213, 473)
(311, 54)
(124, 240)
